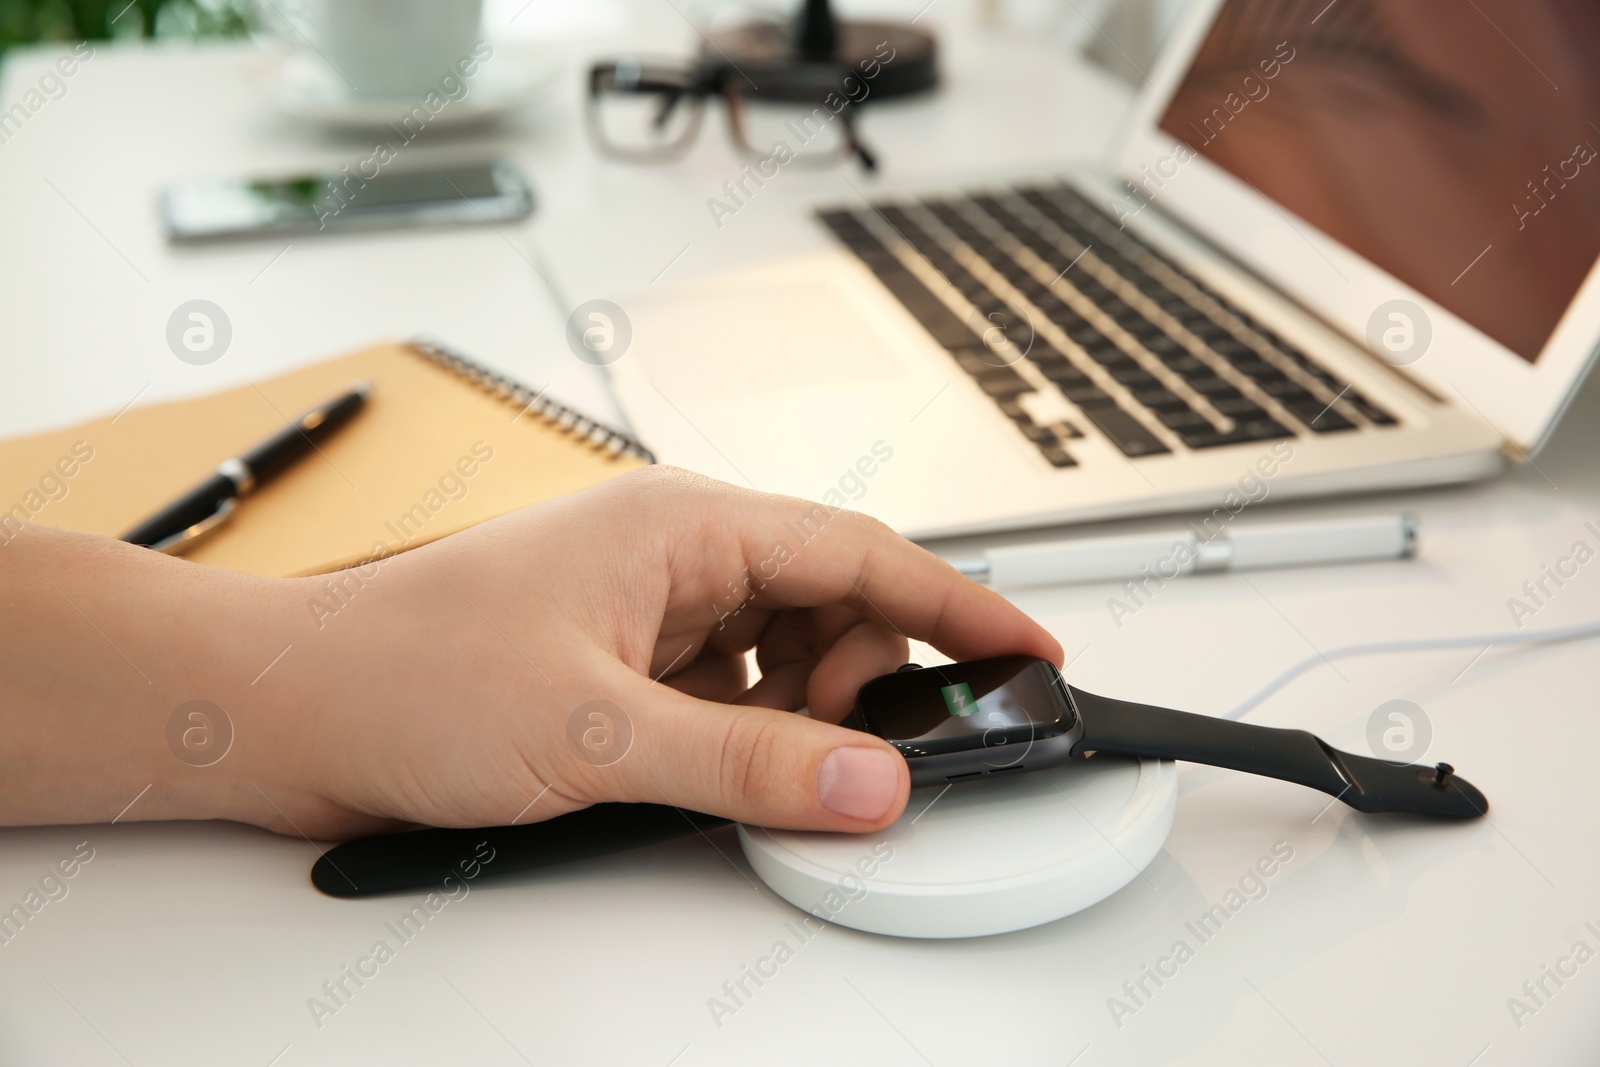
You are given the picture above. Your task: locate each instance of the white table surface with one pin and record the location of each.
(1381, 941)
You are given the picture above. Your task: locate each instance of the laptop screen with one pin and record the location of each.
(1454, 145)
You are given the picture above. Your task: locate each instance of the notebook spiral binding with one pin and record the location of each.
(555, 414)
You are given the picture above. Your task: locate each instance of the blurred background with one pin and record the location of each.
(193, 91)
(33, 21)
(1121, 35)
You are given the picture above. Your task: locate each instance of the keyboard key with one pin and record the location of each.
(897, 217)
(1095, 292)
(1244, 433)
(1240, 407)
(1131, 436)
(1057, 456)
(1207, 386)
(945, 325)
(1152, 336)
(1107, 354)
(1162, 345)
(1184, 422)
(1161, 399)
(1234, 350)
(1064, 374)
(1118, 309)
(1319, 416)
(1003, 382)
(1048, 359)
(848, 227)
(1086, 336)
(1086, 396)
(1369, 410)
(1012, 410)
(1134, 376)
(1285, 390)
(914, 236)
(881, 262)
(1014, 272)
(865, 244)
(1188, 365)
(1253, 366)
(1265, 429)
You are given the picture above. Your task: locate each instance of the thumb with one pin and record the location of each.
(759, 766)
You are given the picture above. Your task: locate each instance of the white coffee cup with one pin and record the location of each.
(390, 49)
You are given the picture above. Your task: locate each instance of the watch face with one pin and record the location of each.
(962, 707)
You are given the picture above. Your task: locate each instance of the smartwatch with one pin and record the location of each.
(963, 722)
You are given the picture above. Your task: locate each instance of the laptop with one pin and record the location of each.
(1338, 247)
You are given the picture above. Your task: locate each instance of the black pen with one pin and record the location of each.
(200, 510)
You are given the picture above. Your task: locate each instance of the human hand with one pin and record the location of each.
(453, 683)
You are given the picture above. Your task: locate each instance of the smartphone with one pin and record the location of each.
(199, 212)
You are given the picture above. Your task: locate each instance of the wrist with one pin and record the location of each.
(114, 658)
(228, 715)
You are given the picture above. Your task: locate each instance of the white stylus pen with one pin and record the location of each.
(1196, 550)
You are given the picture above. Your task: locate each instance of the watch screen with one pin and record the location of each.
(962, 706)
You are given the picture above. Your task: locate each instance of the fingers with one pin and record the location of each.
(795, 553)
(819, 657)
(859, 655)
(756, 765)
(711, 675)
(783, 689)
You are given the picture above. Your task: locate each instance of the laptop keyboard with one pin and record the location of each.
(1061, 318)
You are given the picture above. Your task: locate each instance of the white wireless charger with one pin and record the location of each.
(984, 857)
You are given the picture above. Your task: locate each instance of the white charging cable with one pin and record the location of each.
(1486, 641)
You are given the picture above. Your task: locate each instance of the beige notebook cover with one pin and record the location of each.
(441, 445)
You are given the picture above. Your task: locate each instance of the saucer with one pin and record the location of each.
(512, 78)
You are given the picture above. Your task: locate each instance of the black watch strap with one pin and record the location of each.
(417, 859)
(1364, 783)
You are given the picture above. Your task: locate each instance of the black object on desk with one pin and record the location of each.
(766, 49)
(415, 859)
(203, 508)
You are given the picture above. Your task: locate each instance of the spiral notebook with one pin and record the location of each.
(442, 444)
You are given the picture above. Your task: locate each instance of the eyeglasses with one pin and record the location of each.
(646, 111)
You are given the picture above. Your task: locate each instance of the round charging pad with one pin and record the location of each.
(982, 857)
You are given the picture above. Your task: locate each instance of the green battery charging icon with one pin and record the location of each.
(958, 699)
